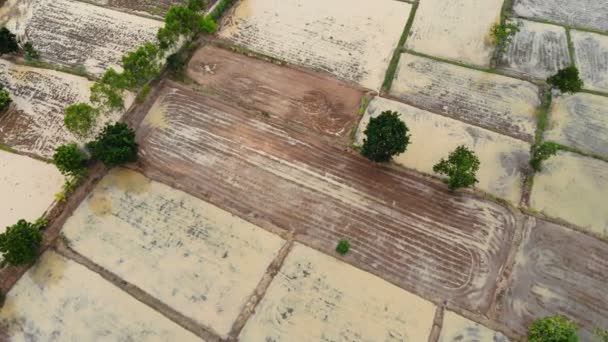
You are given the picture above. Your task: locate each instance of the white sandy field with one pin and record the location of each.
(433, 137)
(456, 328)
(573, 188)
(580, 121)
(354, 43)
(28, 187)
(316, 297)
(60, 300)
(591, 53)
(456, 30)
(538, 50)
(196, 258)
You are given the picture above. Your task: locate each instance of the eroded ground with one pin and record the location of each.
(354, 43)
(27, 188)
(503, 159)
(502, 104)
(315, 297)
(278, 177)
(135, 227)
(558, 271)
(308, 99)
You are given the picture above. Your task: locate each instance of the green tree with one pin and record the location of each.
(8, 41)
(567, 80)
(179, 20)
(80, 119)
(386, 136)
(553, 329)
(70, 160)
(461, 168)
(207, 25)
(20, 243)
(5, 99)
(115, 145)
(141, 66)
(541, 153)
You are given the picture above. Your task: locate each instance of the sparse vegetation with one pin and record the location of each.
(8, 41)
(386, 136)
(115, 145)
(602, 334)
(553, 329)
(541, 153)
(343, 247)
(461, 168)
(5, 99)
(30, 53)
(143, 93)
(220, 8)
(20, 243)
(567, 80)
(80, 119)
(70, 160)
(502, 35)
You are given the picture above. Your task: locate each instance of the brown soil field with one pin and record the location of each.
(314, 101)
(405, 228)
(558, 271)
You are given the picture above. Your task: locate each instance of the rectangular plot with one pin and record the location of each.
(580, 121)
(34, 122)
(155, 8)
(194, 257)
(60, 300)
(573, 187)
(538, 50)
(75, 33)
(354, 43)
(591, 53)
(557, 271)
(28, 187)
(308, 99)
(457, 30)
(403, 227)
(456, 328)
(503, 159)
(315, 297)
(589, 14)
(495, 102)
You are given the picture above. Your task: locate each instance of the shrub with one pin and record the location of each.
(502, 35)
(80, 119)
(386, 136)
(461, 168)
(602, 334)
(8, 41)
(20, 243)
(553, 329)
(5, 99)
(566, 80)
(220, 8)
(140, 66)
(343, 247)
(179, 20)
(196, 5)
(541, 153)
(70, 160)
(208, 25)
(106, 96)
(31, 54)
(115, 145)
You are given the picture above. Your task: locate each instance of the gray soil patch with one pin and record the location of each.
(591, 52)
(589, 14)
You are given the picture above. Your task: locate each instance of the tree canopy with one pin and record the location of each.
(461, 168)
(386, 136)
(20, 243)
(8, 41)
(115, 145)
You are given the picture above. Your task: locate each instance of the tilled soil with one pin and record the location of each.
(407, 229)
(308, 99)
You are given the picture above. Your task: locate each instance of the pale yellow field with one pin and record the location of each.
(456, 328)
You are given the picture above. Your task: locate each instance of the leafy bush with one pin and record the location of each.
(70, 160)
(502, 35)
(20, 243)
(553, 329)
(343, 247)
(5, 99)
(80, 119)
(31, 54)
(220, 8)
(140, 66)
(115, 145)
(208, 25)
(8, 41)
(567, 80)
(461, 168)
(196, 5)
(541, 153)
(386, 136)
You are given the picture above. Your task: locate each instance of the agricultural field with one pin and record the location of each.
(589, 14)
(67, 32)
(458, 328)
(354, 43)
(591, 51)
(28, 187)
(456, 30)
(503, 159)
(156, 8)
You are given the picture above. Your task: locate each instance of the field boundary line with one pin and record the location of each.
(437, 323)
(554, 23)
